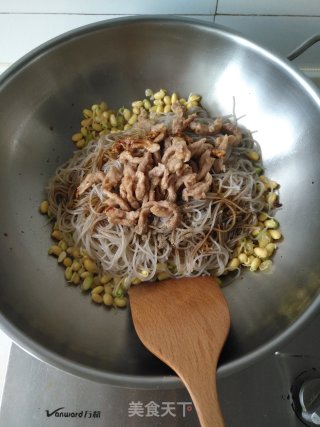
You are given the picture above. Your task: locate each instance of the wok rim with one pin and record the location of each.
(39, 351)
(32, 347)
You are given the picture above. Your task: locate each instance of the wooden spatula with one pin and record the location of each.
(185, 322)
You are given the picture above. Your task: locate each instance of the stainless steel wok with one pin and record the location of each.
(41, 98)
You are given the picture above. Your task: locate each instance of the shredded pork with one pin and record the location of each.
(163, 168)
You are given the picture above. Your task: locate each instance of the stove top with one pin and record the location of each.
(262, 395)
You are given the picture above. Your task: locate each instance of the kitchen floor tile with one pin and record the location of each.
(44, 28)
(280, 34)
(270, 7)
(113, 7)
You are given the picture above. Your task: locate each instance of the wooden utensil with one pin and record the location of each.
(185, 322)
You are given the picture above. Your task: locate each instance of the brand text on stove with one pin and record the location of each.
(63, 413)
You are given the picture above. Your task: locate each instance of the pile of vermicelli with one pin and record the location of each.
(201, 228)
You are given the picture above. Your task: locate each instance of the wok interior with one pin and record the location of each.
(41, 104)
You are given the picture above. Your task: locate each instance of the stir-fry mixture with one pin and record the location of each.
(157, 191)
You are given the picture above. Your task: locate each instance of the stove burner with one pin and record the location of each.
(305, 393)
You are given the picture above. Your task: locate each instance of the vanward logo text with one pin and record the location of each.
(63, 413)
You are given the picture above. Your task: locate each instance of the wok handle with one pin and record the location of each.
(303, 47)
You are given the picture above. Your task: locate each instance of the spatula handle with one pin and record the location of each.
(205, 398)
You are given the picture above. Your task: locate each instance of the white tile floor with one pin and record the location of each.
(270, 7)
(5, 346)
(280, 34)
(5, 341)
(45, 27)
(3, 66)
(111, 6)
